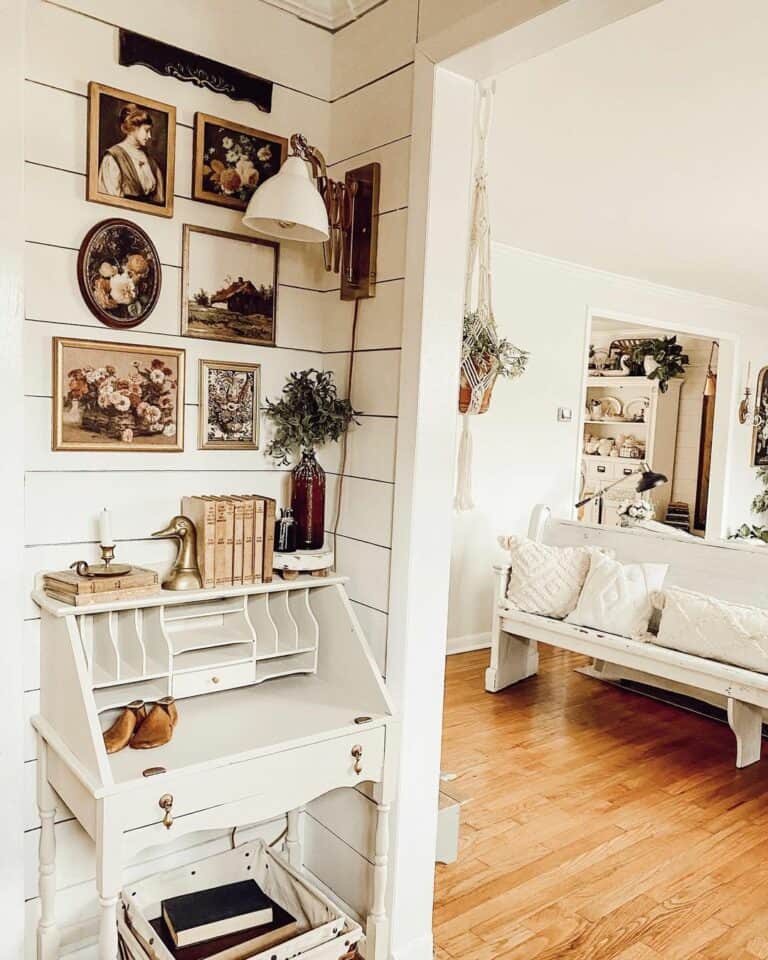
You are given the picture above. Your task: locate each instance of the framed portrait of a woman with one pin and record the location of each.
(131, 151)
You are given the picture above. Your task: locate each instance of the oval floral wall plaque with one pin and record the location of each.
(119, 273)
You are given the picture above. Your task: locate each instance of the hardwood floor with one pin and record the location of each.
(601, 824)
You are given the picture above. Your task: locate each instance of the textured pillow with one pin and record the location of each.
(545, 580)
(617, 597)
(711, 628)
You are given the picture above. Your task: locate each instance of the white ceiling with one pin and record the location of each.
(642, 149)
(330, 14)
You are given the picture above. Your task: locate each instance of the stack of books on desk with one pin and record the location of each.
(229, 922)
(71, 588)
(235, 538)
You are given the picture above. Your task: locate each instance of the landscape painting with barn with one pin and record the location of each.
(229, 286)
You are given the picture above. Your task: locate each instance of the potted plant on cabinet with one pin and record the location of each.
(661, 358)
(491, 357)
(308, 415)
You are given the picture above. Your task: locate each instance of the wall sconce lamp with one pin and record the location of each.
(749, 413)
(648, 480)
(302, 203)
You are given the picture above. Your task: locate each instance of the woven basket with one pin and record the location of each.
(112, 424)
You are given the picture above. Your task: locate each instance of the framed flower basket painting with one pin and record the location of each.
(117, 396)
(228, 405)
(228, 286)
(119, 273)
(131, 151)
(231, 160)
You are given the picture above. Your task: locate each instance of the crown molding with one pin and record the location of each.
(329, 14)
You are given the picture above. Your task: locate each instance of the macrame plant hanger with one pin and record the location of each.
(479, 369)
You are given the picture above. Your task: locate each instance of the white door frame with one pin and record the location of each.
(12, 585)
(446, 68)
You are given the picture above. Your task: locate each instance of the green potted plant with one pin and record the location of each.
(661, 358)
(756, 531)
(491, 356)
(308, 415)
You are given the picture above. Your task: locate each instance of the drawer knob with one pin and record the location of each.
(215, 680)
(166, 803)
(357, 753)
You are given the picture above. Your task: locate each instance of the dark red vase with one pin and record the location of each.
(308, 502)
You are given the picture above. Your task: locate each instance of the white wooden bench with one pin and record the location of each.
(723, 570)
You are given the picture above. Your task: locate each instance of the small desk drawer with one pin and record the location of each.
(212, 680)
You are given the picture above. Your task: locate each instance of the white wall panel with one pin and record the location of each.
(370, 450)
(379, 320)
(394, 159)
(368, 569)
(374, 115)
(374, 626)
(375, 380)
(340, 867)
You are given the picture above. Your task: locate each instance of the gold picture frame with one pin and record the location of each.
(121, 128)
(117, 397)
(228, 405)
(229, 286)
(759, 439)
(230, 160)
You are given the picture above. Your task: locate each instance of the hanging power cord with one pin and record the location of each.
(343, 465)
(273, 843)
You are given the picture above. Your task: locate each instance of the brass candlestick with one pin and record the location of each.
(104, 569)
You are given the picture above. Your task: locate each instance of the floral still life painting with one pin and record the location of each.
(229, 286)
(231, 160)
(229, 406)
(119, 273)
(116, 396)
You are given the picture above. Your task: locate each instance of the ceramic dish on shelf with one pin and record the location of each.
(636, 409)
(614, 373)
(612, 408)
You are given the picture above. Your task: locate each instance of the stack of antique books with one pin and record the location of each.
(70, 587)
(235, 538)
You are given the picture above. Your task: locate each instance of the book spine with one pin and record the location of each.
(229, 540)
(258, 540)
(202, 512)
(138, 577)
(106, 596)
(270, 510)
(238, 561)
(248, 540)
(220, 564)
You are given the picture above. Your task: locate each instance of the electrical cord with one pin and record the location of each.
(343, 465)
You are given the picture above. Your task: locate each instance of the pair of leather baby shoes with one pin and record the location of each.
(141, 728)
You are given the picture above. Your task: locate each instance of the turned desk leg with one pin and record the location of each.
(47, 930)
(293, 840)
(377, 926)
(108, 879)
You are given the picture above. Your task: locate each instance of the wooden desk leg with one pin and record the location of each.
(293, 840)
(47, 931)
(108, 880)
(376, 932)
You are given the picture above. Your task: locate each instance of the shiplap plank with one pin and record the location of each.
(300, 313)
(367, 566)
(259, 49)
(31, 816)
(395, 159)
(377, 114)
(300, 264)
(370, 450)
(31, 654)
(379, 320)
(140, 502)
(350, 815)
(54, 36)
(366, 509)
(338, 865)
(375, 380)
(374, 45)
(31, 707)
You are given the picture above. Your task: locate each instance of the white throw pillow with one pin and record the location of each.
(545, 580)
(617, 597)
(708, 627)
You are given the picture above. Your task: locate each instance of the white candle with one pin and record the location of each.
(105, 529)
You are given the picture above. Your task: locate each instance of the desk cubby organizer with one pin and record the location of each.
(279, 701)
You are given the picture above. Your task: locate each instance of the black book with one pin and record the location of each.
(216, 912)
(234, 946)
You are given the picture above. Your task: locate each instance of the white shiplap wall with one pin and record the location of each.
(69, 44)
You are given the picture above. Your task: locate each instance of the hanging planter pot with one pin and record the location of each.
(465, 395)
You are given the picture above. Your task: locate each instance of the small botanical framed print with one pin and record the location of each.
(231, 160)
(131, 151)
(117, 396)
(228, 286)
(228, 405)
(119, 273)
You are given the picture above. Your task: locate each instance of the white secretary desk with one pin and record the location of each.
(279, 702)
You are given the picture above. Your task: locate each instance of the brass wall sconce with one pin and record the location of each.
(311, 207)
(749, 413)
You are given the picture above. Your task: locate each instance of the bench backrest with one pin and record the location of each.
(723, 570)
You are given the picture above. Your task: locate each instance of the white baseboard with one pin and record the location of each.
(467, 643)
(421, 949)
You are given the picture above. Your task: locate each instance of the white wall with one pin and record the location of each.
(522, 454)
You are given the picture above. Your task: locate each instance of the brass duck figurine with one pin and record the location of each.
(185, 573)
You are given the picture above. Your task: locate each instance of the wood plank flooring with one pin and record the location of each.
(601, 825)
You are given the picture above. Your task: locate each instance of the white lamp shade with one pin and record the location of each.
(288, 206)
